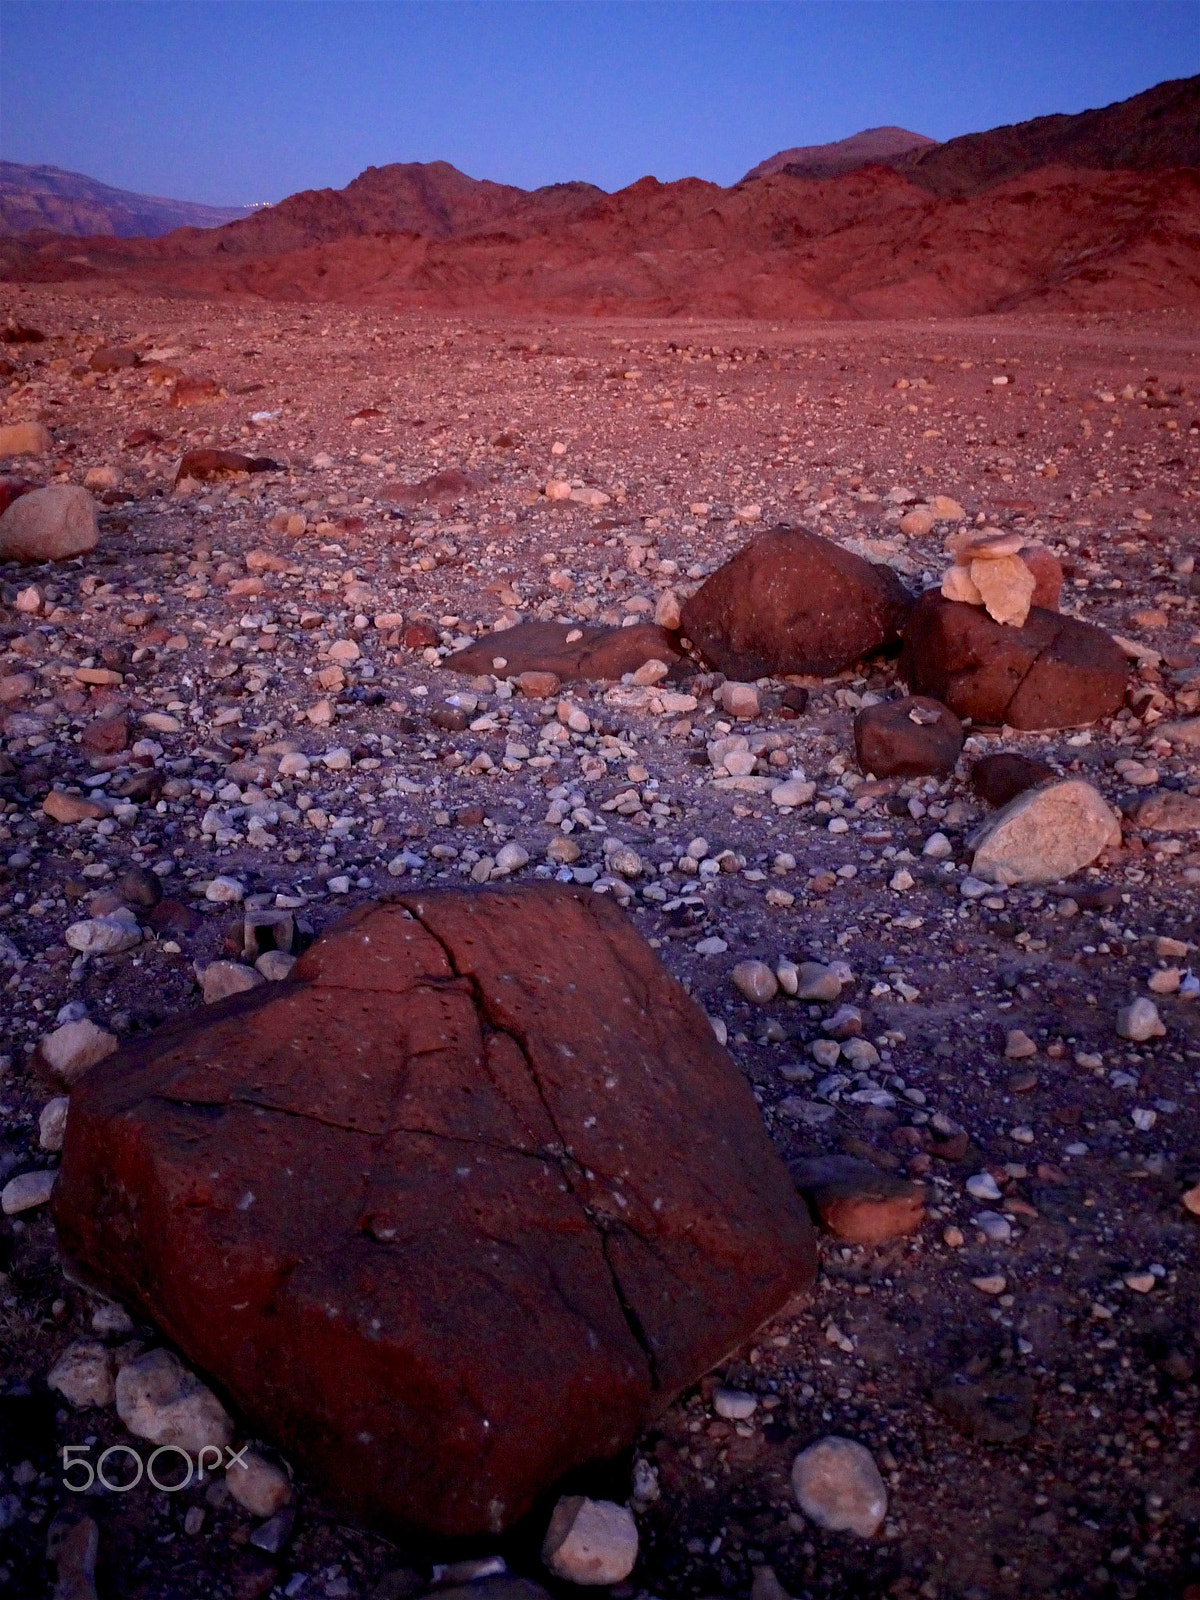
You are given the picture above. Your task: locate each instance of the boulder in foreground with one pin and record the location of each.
(571, 651)
(1045, 835)
(907, 738)
(1054, 672)
(51, 524)
(791, 601)
(459, 1207)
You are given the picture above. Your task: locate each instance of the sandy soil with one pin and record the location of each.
(813, 424)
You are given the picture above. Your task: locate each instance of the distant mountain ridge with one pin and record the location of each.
(1151, 131)
(933, 232)
(884, 145)
(36, 197)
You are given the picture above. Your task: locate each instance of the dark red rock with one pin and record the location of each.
(1002, 777)
(597, 654)
(16, 333)
(907, 738)
(1055, 672)
(419, 636)
(12, 489)
(458, 1208)
(1047, 574)
(856, 1201)
(104, 736)
(113, 358)
(203, 464)
(791, 601)
(141, 437)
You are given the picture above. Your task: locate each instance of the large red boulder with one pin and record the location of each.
(791, 601)
(459, 1207)
(572, 651)
(1054, 672)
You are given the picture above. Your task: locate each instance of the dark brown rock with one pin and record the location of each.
(1055, 672)
(1047, 575)
(996, 1409)
(112, 358)
(791, 601)
(419, 636)
(907, 738)
(12, 489)
(459, 1207)
(204, 464)
(1002, 777)
(104, 736)
(858, 1202)
(548, 647)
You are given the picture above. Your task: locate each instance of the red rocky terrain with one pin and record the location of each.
(357, 606)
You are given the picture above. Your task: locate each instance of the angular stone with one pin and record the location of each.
(572, 652)
(1055, 672)
(957, 584)
(856, 1201)
(26, 1191)
(225, 978)
(791, 601)
(1006, 588)
(1045, 835)
(565, 1206)
(1002, 777)
(160, 1400)
(50, 524)
(67, 1053)
(590, 1542)
(907, 738)
(83, 1374)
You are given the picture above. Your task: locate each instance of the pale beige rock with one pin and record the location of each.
(51, 524)
(983, 544)
(557, 489)
(668, 611)
(652, 671)
(71, 1050)
(25, 439)
(838, 1486)
(957, 584)
(589, 496)
(917, 522)
(83, 1374)
(258, 1486)
(590, 1542)
(223, 978)
(1045, 835)
(160, 1400)
(756, 981)
(1006, 586)
(945, 509)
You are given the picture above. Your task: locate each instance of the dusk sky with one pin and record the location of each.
(233, 103)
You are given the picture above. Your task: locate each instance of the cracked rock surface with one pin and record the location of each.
(458, 1208)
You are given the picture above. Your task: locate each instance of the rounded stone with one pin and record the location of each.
(838, 1486)
(51, 524)
(756, 981)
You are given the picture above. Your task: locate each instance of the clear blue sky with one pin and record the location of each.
(227, 102)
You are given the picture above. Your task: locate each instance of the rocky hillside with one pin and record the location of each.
(68, 202)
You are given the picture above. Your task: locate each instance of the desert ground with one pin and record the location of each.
(316, 602)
